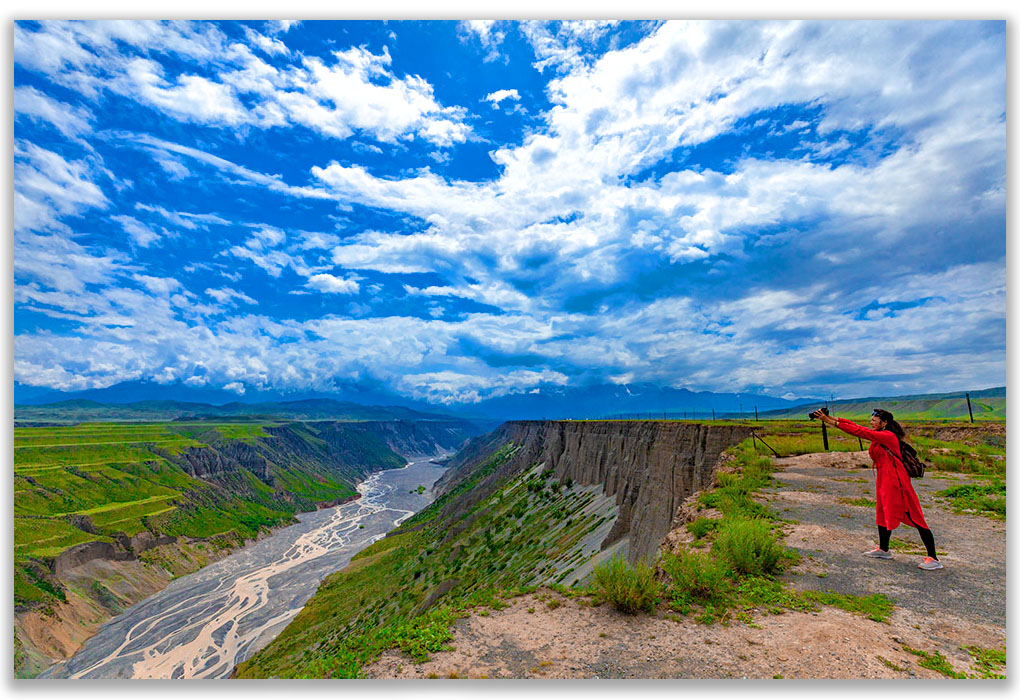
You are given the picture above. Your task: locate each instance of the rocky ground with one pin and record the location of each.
(547, 636)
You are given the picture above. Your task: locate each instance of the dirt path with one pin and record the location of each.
(964, 604)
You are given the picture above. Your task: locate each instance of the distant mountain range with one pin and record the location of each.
(986, 404)
(140, 400)
(150, 401)
(85, 410)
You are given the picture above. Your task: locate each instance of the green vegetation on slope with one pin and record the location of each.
(405, 590)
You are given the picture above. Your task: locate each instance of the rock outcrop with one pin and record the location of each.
(650, 467)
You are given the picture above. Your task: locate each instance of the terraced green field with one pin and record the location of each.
(94, 482)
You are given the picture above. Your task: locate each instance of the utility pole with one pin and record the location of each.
(969, 409)
(756, 413)
(713, 414)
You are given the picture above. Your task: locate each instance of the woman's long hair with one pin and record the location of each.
(890, 425)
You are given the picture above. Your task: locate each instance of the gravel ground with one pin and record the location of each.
(831, 536)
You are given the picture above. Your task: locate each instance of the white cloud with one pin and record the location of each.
(68, 120)
(562, 44)
(182, 219)
(171, 166)
(272, 182)
(270, 45)
(496, 97)
(486, 32)
(447, 386)
(158, 285)
(140, 233)
(226, 295)
(353, 92)
(47, 188)
(282, 26)
(331, 284)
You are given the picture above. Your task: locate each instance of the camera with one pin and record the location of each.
(813, 414)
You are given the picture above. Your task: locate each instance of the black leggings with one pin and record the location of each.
(926, 537)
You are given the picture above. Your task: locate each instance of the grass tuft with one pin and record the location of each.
(988, 661)
(750, 546)
(628, 588)
(694, 577)
(934, 661)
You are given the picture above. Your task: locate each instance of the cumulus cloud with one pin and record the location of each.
(494, 98)
(331, 284)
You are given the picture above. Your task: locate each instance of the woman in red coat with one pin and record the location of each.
(896, 500)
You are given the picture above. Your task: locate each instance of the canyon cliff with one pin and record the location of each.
(648, 467)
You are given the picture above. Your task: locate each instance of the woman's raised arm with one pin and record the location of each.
(882, 437)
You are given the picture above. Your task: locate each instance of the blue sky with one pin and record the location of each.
(460, 210)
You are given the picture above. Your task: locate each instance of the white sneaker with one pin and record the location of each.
(878, 553)
(930, 564)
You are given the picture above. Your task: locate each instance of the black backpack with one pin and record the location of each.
(911, 462)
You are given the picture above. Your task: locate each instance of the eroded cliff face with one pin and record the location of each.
(649, 467)
(345, 449)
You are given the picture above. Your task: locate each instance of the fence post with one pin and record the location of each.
(969, 409)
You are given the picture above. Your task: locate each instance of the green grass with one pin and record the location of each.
(628, 588)
(702, 526)
(891, 665)
(898, 545)
(934, 661)
(750, 546)
(984, 499)
(875, 607)
(991, 663)
(42, 537)
(694, 578)
(862, 502)
(987, 406)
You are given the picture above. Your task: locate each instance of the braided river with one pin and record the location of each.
(203, 624)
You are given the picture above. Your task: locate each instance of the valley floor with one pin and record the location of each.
(545, 635)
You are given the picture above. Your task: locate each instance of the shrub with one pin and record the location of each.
(695, 575)
(749, 546)
(629, 588)
(702, 526)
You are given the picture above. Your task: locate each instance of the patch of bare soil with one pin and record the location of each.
(963, 604)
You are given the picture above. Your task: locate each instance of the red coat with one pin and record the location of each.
(896, 501)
